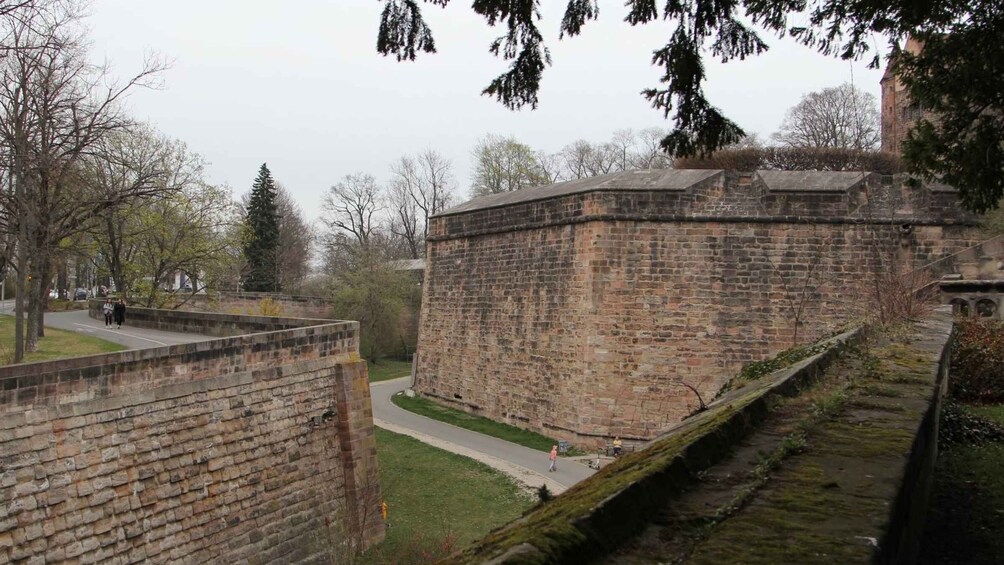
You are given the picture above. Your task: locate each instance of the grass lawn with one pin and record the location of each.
(388, 369)
(430, 409)
(965, 522)
(56, 344)
(438, 501)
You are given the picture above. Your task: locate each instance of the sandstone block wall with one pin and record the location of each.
(255, 449)
(583, 314)
(208, 323)
(250, 303)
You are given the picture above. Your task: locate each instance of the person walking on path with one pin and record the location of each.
(553, 456)
(107, 308)
(119, 312)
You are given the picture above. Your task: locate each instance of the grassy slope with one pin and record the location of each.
(56, 344)
(438, 501)
(388, 369)
(430, 409)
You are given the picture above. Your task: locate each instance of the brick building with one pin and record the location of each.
(899, 113)
(584, 309)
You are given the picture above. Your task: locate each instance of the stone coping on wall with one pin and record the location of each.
(796, 197)
(812, 181)
(95, 377)
(642, 179)
(864, 519)
(206, 323)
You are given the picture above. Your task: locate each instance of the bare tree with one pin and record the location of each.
(404, 215)
(350, 207)
(649, 155)
(626, 150)
(426, 180)
(503, 164)
(55, 108)
(842, 117)
(550, 166)
(620, 149)
(295, 237)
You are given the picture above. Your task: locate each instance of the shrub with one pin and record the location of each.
(755, 370)
(796, 159)
(269, 307)
(977, 372)
(959, 427)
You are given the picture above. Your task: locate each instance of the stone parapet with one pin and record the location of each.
(255, 448)
(796, 197)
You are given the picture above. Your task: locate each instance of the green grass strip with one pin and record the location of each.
(57, 344)
(438, 501)
(429, 409)
(387, 369)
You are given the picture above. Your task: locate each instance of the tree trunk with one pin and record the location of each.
(20, 285)
(23, 268)
(44, 276)
(32, 317)
(62, 281)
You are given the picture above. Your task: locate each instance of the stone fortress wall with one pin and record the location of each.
(256, 448)
(582, 309)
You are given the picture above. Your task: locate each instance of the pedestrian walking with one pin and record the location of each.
(107, 309)
(553, 456)
(118, 312)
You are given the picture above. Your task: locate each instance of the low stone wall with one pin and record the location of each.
(208, 323)
(256, 448)
(869, 468)
(250, 303)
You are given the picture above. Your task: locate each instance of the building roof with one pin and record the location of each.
(677, 180)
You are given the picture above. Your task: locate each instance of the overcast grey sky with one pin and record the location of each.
(299, 85)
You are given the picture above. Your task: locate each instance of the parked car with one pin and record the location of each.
(80, 294)
(53, 293)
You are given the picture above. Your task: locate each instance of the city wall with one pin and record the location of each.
(583, 309)
(255, 448)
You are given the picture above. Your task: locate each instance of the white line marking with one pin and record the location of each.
(121, 333)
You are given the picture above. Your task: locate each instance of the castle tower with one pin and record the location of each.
(899, 113)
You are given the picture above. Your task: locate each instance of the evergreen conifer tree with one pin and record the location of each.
(261, 247)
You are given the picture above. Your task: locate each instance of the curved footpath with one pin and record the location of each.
(526, 465)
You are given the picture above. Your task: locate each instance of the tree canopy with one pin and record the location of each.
(503, 164)
(842, 117)
(733, 29)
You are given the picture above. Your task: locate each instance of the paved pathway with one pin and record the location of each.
(526, 465)
(133, 338)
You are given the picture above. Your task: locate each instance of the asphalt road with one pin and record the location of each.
(133, 338)
(529, 465)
